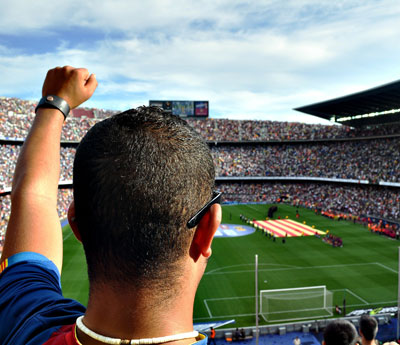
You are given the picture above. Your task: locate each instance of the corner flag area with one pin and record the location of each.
(286, 228)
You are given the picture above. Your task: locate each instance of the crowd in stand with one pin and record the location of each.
(372, 159)
(16, 116)
(64, 200)
(227, 130)
(10, 106)
(8, 159)
(17, 127)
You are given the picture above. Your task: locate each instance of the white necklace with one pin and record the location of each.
(144, 341)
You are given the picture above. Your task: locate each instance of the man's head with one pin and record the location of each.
(340, 332)
(138, 178)
(368, 327)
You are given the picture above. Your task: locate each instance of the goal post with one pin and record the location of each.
(295, 304)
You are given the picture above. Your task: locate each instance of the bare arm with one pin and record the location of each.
(34, 224)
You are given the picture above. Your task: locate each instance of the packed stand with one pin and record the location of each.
(373, 160)
(241, 130)
(16, 116)
(8, 160)
(17, 127)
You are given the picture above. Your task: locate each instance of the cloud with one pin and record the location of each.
(248, 58)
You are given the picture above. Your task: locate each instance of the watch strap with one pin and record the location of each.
(53, 101)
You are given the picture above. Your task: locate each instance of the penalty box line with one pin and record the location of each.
(221, 299)
(354, 294)
(365, 302)
(208, 309)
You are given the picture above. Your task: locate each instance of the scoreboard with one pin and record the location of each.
(183, 108)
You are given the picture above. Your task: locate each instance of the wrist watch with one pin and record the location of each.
(52, 101)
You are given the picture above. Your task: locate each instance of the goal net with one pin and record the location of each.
(295, 304)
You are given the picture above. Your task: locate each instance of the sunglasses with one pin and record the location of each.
(195, 220)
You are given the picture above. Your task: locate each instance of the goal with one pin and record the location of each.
(295, 304)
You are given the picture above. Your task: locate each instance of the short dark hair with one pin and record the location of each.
(138, 178)
(368, 327)
(340, 332)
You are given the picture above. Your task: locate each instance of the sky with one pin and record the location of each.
(250, 59)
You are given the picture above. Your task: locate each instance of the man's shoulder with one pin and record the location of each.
(66, 335)
(32, 306)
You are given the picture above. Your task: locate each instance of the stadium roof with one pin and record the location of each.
(374, 106)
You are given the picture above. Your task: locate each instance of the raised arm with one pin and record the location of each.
(34, 224)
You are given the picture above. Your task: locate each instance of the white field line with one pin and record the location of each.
(224, 316)
(375, 303)
(67, 236)
(208, 309)
(215, 271)
(356, 296)
(255, 209)
(388, 268)
(253, 314)
(228, 298)
(287, 268)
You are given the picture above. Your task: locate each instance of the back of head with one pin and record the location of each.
(340, 332)
(138, 178)
(368, 327)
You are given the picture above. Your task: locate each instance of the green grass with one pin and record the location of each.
(74, 279)
(364, 270)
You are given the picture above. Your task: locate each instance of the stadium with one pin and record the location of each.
(311, 216)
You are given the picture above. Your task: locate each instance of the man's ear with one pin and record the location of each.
(72, 221)
(205, 231)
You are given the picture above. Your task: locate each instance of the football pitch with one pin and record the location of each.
(363, 271)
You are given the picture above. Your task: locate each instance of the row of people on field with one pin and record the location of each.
(333, 240)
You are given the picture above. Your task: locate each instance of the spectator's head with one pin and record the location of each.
(138, 178)
(368, 327)
(340, 332)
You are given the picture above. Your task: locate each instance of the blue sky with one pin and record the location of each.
(250, 59)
